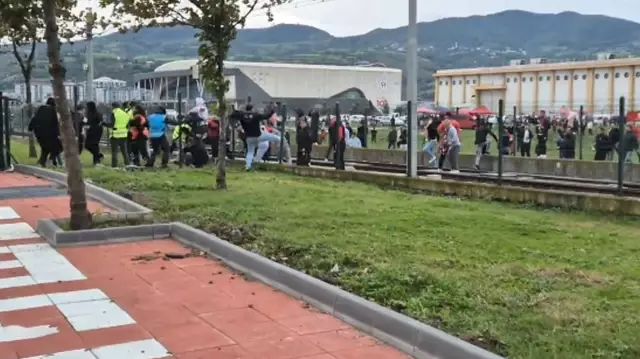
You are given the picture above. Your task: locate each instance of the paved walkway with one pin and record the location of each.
(143, 300)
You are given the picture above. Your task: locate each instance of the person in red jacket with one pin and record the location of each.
(213, 135)
(340, 144)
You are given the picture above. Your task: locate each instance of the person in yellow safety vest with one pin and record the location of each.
(184, 130)
(119, 123)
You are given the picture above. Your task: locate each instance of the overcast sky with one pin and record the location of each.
(353, 17)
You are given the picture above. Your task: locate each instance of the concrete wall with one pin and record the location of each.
(550, 167)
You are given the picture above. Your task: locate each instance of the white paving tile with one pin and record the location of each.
(74, 354)
(16, 332)
(93, 315)
(5, 250)
(45, 264)
(77, 296)
(14, 282)
(8, 213)
(10, 264)
(144, 349)
(12, 231)
(35, 301)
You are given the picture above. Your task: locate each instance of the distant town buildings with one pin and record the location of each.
(106, 90)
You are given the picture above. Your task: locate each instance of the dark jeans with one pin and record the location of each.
(50, 149)
(157, 145)
(94, 148)
(525, 149)
(119, 144)
(303, 157)
(139, 149)
(338, 155)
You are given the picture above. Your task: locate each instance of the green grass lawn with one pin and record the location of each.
(522, 282)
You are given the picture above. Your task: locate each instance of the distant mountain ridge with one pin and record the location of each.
(489, 40)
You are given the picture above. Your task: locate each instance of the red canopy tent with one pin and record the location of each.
(427, 111)
(482, 111)
(633, 116)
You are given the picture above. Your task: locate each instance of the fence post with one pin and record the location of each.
(409, 137)
(500, 135)
(580, 129)
(180, 118)
(338, 150)
(283, 115)
(7, 133)
(515, 131)
(621, 153)
(2, 148)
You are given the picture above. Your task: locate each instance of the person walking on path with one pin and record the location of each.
(482, 131)
(93, 132)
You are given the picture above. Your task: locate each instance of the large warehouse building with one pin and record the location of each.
(297, 85)
(539, 85)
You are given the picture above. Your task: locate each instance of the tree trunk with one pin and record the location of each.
(80, 216)
(221, 90)
(32, 140)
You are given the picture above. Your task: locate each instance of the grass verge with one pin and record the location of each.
(521, 282)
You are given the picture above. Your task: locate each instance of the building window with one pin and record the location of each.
(548, 78)
(617, 74)
(540, 78)
(575, 77)
(474, 82)
(440, 83)
(508, 79)
(468, 82)
(584, 77)
(597, 76)
(515, 79)
(637, 74)
(626, 75)
(558, 78)
(606, 75)
(531, 79)
(446, 83)
(566, 77)
(524, 79)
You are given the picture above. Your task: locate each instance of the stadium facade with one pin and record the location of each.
(537, 85)
(297, 85)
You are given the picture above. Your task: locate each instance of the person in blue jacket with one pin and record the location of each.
(157, 133)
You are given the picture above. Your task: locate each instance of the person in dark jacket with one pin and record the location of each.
(432, 138)
(629, 143)
(482, 131)
(603, 145)
(392, 138)
(77, 116)
(362, 133)
(44, 126)
(614, 138)
(304, 142)
(567, 145)
(250, 122)
(541, 145)
(93, 131)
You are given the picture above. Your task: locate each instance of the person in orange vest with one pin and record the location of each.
(139, 130)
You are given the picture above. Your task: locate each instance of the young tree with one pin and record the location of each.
(217, 23)
(54, 19)
(23, 39)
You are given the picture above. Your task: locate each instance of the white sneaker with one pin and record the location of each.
(455, 171)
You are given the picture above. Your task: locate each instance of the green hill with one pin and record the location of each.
(447, 43)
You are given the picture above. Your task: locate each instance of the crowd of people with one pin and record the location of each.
(133, 129)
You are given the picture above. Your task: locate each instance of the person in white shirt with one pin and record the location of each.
(354, 142)
(525, 149)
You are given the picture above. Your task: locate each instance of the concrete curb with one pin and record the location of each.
(127, 208)
(406, 334)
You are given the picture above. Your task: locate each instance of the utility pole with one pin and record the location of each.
(90, 22)
(412, 86)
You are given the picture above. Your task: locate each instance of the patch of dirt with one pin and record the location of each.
(565, 309)
(169, 256)
(584, 277)
(487, 341)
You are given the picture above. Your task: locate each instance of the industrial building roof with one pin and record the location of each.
(184, 65)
